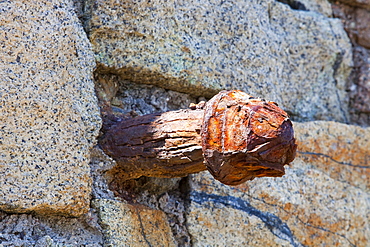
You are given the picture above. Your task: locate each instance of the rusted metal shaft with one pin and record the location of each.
(156, 145)
(236, 136)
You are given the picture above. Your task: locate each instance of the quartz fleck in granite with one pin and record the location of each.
(49, 117)
(300, 59)
(323, 200)
(132, 225)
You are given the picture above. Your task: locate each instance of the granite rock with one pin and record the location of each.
(362, 26)
(126, 97)
(49, 118)
(356, 22)
(323, 200)
(49, 231)
(132, 225)
(357, 3)
(360, 87)
(101, 163)
(340, 151)
(319, 6)
(299, 59)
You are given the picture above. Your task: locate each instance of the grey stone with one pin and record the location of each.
(173, 204)
(49, 118)
(132, 225)
(139, 99)
(45, 241)
(319, 6)
(46, 231)
(356, 22)
(300, 59)
(128, 98)
(100, 164)
(322, 200)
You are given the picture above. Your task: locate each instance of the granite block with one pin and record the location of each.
(132, 225)
(49, 118)
(28, 230)
(319, 6)
(322, 200)
(300, 59)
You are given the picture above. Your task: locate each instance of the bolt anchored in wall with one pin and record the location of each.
(235, 136)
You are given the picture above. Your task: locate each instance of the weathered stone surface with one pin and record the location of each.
(49, 116)
(49, 231)
(357, 3)
(297, 58)
(363, 27)
(319, 6)
(360, 87)
(340, 151)
(356, 22)
(322, 200)
(157, 193)
(132, 225)
(126, 97)
(215, 220)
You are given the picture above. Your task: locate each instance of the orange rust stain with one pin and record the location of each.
(244, 137)
(185, 49)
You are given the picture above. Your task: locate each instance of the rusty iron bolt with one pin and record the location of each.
(235, 136)
(244, 137)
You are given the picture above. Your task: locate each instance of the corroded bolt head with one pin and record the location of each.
(244, 137)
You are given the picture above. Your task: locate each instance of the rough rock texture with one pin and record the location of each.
(298, 58)
(319, 6)
(132, 225)
(156, 193)
(49, 116)
(338, 150)
(356, 3)
(287, 51)
(323, 200)
(129, 99)
(100, 164)
(126, 97)
(356, 22)
(49, 231)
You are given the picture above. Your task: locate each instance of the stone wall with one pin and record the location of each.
(67, 66)
(355, 16)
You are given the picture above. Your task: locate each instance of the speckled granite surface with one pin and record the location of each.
(323, 200)
(300, 59)
(49, 120)
(29, 230)
(319, 6)
(49, 116)
(132, 225)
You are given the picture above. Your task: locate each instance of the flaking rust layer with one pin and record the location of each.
(241, 138)
(244, 137)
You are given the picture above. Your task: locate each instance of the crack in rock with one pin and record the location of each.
(336, 161)
(272, 222)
